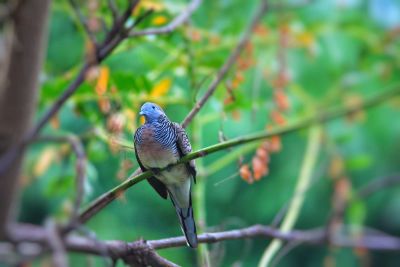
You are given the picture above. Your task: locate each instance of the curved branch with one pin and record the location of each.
(322, 117)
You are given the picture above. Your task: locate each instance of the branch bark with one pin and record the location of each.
(321, 117)
(18, 92)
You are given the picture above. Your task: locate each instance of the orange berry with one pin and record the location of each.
(245, 173)
(259, 168)
(262, 154)
(275, 144)
(281, 100)
(278, 118)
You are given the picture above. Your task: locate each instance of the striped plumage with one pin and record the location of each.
(158, 144)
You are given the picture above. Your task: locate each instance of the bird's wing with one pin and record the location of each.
(184, 148)
(156, 184)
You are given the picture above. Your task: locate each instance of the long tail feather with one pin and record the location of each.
(188, 225)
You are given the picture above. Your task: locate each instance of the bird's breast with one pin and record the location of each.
(152, 153)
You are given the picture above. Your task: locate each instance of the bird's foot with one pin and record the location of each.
(155, 171)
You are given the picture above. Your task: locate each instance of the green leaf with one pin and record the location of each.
(359, 162)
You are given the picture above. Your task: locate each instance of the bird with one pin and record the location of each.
(160, 144)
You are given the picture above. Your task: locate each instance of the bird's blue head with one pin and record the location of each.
(151, 111)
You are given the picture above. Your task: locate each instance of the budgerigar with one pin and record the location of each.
(158, 144)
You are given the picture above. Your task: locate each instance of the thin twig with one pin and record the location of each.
(58, 103)
(321, 117)
(377, 185)
(176, 22)
(80, 164)
(83, 21)
(113, 7)
(56, 245)
(119, 23)
(139, 20)
(284, 252)
(261, 10)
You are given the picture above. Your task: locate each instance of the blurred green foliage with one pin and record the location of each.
(337, 53)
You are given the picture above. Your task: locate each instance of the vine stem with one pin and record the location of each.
(310, 159)
(200, 201)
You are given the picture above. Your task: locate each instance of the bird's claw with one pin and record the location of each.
(169, 167)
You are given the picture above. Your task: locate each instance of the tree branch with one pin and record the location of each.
(321, 117)
(119, 249)
(179, 20)
(261, 10)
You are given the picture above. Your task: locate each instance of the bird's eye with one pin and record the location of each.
(153, 107)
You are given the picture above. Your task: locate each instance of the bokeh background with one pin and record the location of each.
(304, 58)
